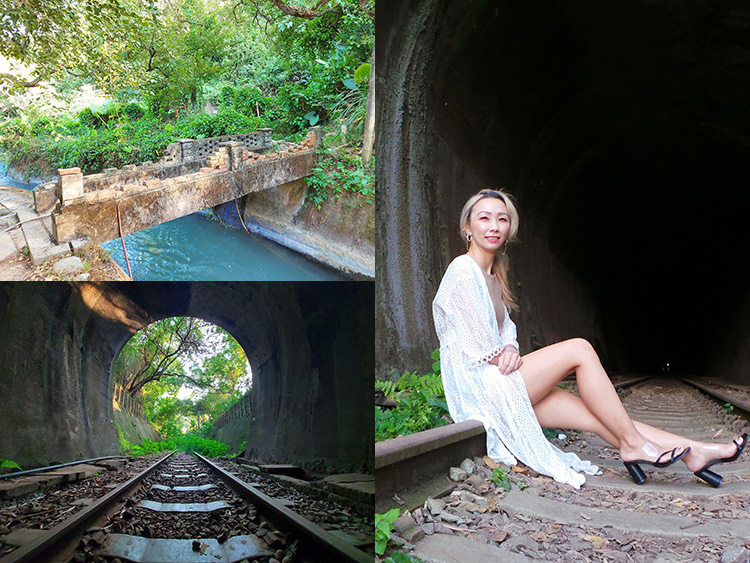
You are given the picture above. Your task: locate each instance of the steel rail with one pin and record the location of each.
(706, 388)
(48, 546)
(311, 535)
(51, 467)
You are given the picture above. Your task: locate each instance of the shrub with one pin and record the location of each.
(383, 528)
(227, 96)
(335, 174)
(86, 117)
(134, 111)
(186, 443)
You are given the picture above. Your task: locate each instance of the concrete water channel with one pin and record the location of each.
(197, 248)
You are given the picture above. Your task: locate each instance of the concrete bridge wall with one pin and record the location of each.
(311, 348)
(232, 171)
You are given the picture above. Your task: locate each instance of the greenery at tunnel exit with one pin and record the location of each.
(95, 84)
(185, 372)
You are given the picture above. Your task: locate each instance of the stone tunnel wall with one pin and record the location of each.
(310, 347)
(570, 101)
(424, 181)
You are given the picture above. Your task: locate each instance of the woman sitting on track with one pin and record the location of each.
(486, 378)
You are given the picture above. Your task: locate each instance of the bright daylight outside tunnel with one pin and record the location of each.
(622, 130)
(109, 388)
(189, 379)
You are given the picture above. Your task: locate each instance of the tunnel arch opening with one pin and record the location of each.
(622, 133)
(181, 374)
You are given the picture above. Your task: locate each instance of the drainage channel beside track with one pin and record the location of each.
(672, 517)
(183, 509)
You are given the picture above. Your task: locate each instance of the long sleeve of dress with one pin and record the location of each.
(469, 337)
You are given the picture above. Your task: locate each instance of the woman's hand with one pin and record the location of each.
(509, 360)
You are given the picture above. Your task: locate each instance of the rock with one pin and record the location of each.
(469, 466)
(68, 266)
(82, 277)
(77, 244)
(475, 481)
(448, 517)
(435, 505)
(429, 528)
(403, 523)
(407, 528)
(443, 529)
(498, 537)
(481, 538)
(521, 543)
(45, 197)
(735, 554)
(457, 474)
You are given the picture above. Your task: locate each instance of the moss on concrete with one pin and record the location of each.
(132, 431)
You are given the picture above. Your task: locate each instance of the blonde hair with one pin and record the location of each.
(500, 264)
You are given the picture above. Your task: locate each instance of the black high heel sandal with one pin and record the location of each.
(639, 476)
(714, 479)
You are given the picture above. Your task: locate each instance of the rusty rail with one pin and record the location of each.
(707, 388)
(315, 538)
(48, 546)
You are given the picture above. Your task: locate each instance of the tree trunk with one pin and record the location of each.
(369, 138)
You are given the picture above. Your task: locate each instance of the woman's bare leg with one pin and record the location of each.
(562, 409)
(543, 369)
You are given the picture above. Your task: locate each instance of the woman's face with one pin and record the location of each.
(489, 224)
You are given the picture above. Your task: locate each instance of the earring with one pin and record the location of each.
(468, 237)
(505, 248)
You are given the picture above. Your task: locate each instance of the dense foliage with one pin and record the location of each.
(421, 404)
(104, 83)
(190, 442)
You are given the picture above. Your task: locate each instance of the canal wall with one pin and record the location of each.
(340, 234)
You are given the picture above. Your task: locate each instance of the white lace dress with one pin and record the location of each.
(469, 335)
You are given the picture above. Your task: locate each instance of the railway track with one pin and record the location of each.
(185, 508)
(672, 517)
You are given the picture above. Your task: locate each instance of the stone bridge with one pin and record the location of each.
(194, 175)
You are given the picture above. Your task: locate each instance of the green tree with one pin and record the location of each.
(157, 352)
(80, 36)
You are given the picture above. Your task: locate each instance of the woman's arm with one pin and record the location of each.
(510, 358)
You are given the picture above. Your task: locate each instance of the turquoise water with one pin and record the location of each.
(196, 248)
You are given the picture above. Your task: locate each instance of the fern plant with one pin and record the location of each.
(421, 404)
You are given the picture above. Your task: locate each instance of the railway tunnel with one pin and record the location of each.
(622, 132)
(310, 347)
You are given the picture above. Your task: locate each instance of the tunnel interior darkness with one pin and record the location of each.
(622, 131)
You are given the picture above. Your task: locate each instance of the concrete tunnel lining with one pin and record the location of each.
(623, 133)
(310, 347)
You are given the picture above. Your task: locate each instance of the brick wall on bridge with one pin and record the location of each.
(184, 156)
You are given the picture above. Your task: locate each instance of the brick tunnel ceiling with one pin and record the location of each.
(622, 131)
